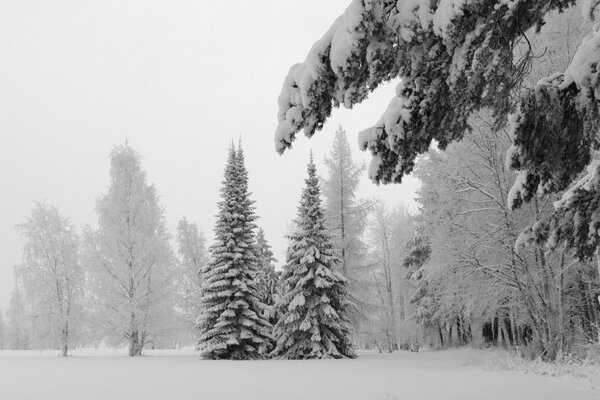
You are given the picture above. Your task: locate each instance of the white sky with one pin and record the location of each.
(179, 79)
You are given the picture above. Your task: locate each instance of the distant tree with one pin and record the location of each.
(2, 332)
(267, 278)
(192, 253)
(131, 264)
(232, 321)
(51, 272)
(389, 231)
(314, 320)
(345, 214)
(17, 329)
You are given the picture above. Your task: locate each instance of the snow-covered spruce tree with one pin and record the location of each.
(232, 322)
(454, 58)
(313, 307)
(267, 278)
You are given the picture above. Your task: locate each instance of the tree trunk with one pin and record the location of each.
(499, 332)
(505, 333)
(513, 326)
(65, 340)
(136, 344)
(132, 343)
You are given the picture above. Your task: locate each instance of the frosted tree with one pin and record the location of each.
(455, 58)
(51, 273)
(383, 271)
(17, 327)
(345, 214)
(131, 265)
(267, 278)
(193, 257)
(232, 321)
(313, 307)
(2, 332)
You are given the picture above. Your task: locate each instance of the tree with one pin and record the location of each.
(192, 252)
(389, 231)
(476, 285)
(2, 332)
(131, 265)
(232, 320)
(455, 58)
(345, 215)
(267, 278)
(51, 272)
(17, 335)
(314, 319)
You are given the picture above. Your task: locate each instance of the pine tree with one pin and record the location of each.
(314, 321)
(267, 278)
(232, 322)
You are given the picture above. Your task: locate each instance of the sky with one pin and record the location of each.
(179, 80)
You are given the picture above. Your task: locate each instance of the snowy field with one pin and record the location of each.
(172, 375)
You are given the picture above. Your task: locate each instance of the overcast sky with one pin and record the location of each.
(179, 79)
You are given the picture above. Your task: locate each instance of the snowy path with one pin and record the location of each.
(174, 376)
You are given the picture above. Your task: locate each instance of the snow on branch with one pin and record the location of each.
(555, 127)
(454, 57)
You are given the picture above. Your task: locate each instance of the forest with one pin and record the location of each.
(502, 251)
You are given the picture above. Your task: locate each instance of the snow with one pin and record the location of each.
(590, 181)
(448, 375)
(589, 8)
(582, 69)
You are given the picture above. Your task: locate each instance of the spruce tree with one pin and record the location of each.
(232, 322)
(313, 307)
(267, 278)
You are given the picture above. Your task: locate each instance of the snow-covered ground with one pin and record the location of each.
(172, 375)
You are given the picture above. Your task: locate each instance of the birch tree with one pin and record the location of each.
(131, 265)
(51, 273)
(193, 257)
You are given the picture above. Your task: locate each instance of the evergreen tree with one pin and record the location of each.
(267, 278)
(314, 319)
(232, 322)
